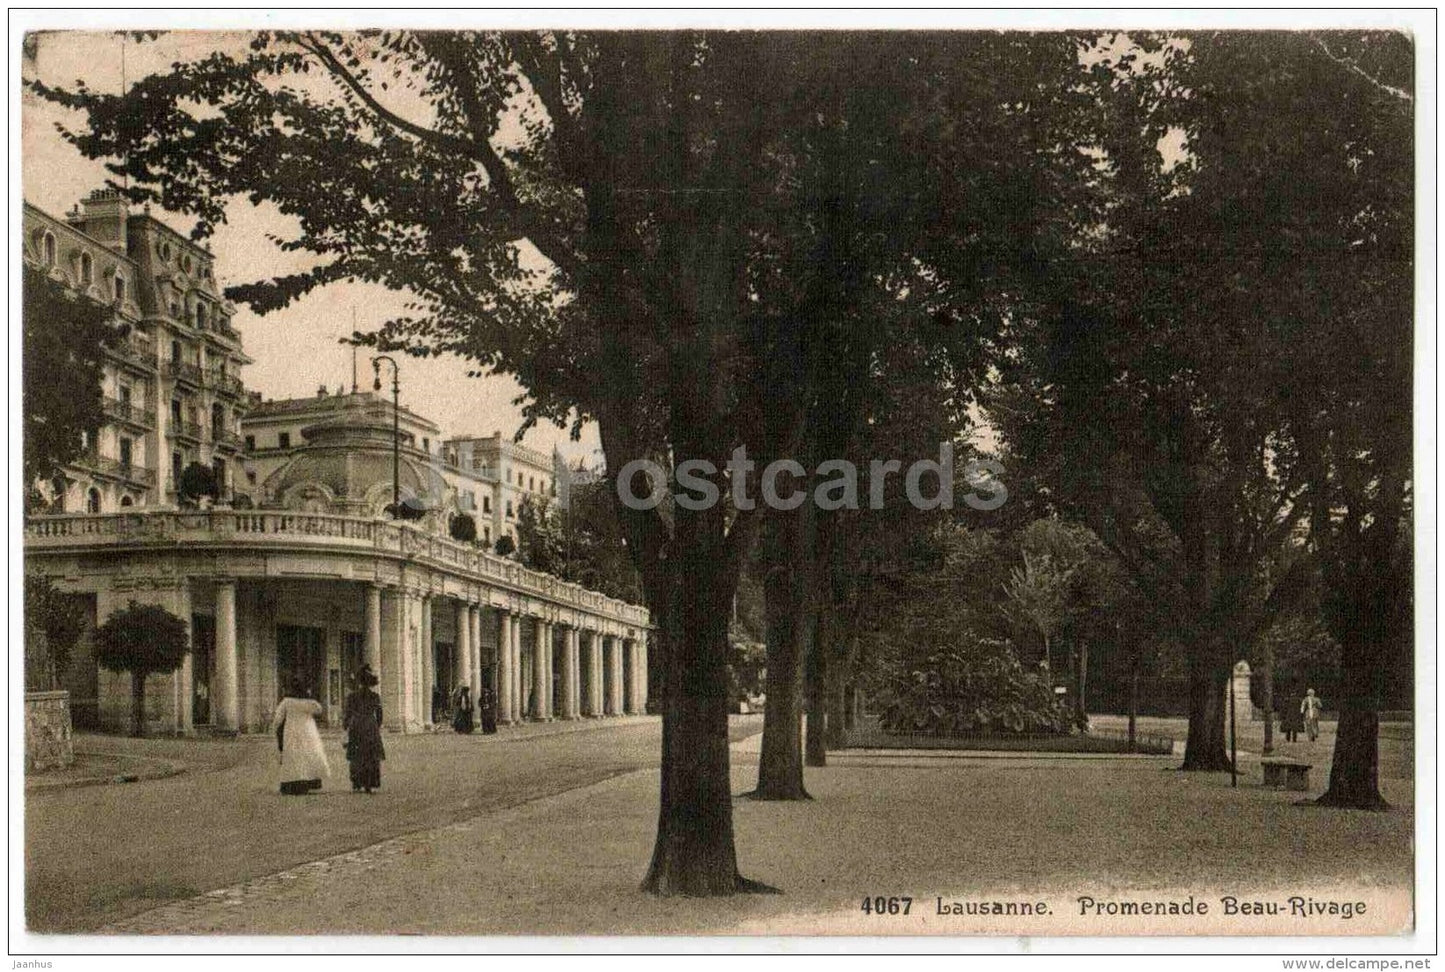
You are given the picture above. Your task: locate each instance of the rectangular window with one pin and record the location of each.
(250, 443)
(124, 392)
(126, 452)
(285, 440)
(177, 462)
(176, 411)
(486, 504)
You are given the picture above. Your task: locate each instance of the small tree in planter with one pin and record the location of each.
(142, 639)
(505, 546)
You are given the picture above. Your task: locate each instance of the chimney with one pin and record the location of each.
(103, 215)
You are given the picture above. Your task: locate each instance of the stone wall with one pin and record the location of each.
(47, 731)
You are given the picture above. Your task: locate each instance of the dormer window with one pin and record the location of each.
(119, 289)
(87, 269)
(47, 249)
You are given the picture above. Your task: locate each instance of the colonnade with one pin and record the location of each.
(561, 670)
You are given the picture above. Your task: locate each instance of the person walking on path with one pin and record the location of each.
(362, 717)
(1291, 722)
(303, 761)
(462, 711)
(487, 709)
(1310, 709)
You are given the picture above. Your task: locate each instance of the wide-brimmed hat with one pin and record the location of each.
(366, 676)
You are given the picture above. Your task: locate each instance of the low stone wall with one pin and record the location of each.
(47, 731)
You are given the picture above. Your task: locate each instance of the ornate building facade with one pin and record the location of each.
(173, 392)
(295, 575)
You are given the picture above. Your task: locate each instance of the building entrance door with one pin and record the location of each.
(203, 661)
(301, 657)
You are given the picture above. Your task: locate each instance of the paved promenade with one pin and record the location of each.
(552, 835)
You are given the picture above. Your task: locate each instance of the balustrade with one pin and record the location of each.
(280, 526)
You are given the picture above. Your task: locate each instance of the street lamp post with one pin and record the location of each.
(395, 426)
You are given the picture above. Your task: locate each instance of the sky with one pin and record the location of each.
(295, 349)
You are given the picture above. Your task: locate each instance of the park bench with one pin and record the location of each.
(1288, 773)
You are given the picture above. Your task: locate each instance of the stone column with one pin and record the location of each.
(464, 644)
(474, 638)
(599, 668)
(629, 677)
(613, 646)
(539, 670)
(568, 704)
(227, 716)
(393, 641)
(642, 674)
(514, 645)
(373, 628)
(410, 673)
(505, 712)
(584, 665)
(428, 661)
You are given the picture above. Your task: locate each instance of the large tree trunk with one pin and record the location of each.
(695, 853)
(790, 606)
(1204, 750)
(1355, 768)
(837, 711)
(780, 765)
(815, 744)
(138, 703)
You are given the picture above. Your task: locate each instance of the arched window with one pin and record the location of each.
(119, 288)
(126, 501)
(87, 269)
(47, 248)
(92, 501)
(201, 315)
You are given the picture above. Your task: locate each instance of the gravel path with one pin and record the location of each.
(1023, 829)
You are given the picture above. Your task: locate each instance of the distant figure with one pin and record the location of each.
(488, 710)
(303, 762)
(438, 703)
(1310, 709)
(1291, 722)
(462, 711)
(362, 717)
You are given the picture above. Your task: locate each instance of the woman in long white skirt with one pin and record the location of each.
(303, 761)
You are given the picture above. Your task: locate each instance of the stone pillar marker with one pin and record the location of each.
(373, 628)
(464, 645)
(228, 711)
(428, 661)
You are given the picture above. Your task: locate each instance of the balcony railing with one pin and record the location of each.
(223, 381)
(110, 466)
(281, 529)
(137, 353)
(185, 371)
(138, 415)
(226, 438)
(182, 429)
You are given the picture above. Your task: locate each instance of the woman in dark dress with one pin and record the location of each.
(362, 716)
(462, 711)
(488, 710)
